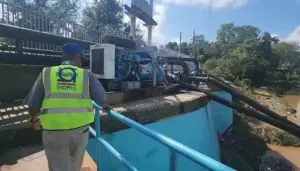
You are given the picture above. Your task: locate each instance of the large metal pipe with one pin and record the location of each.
(243, 98)
(247, 111)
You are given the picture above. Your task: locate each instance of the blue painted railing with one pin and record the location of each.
(174, 146)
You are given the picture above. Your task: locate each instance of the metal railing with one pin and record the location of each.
(38, 20)
(174, 146)
(34, 18)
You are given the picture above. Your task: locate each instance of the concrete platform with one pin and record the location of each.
(33, 159)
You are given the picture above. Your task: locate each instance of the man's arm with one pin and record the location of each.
(35, 98)
(97, 91)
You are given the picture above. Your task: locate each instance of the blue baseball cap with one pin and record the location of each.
(74, 48)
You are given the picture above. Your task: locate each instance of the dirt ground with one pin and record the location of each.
(247, 147)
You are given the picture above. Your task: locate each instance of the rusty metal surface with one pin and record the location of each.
(33, 159)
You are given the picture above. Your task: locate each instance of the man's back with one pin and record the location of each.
(36, 95)
(65, 149)
(64, 94)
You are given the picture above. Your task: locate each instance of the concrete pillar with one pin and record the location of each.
(132, 25)
(149, 41)
(151, 7)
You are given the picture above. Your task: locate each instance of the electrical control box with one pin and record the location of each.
(102, 60)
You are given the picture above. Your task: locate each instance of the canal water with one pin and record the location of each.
(290, 153)
(293, 101)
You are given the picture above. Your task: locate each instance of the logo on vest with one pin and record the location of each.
(66, 78)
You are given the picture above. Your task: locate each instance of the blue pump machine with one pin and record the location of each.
(124, 67)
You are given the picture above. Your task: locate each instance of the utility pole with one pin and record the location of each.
(180, 42)
(194, 42)
(122, 3)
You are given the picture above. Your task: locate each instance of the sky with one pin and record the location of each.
(278, 17)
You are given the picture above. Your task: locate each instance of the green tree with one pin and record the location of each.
(102, 13)
(289, 55)
(172, 46)
(240, 54)
(44, 15)
(266, 47)
(243, 53)
(229, 36)
(108, 13)
(185, 48)
(226, 37)
(66, 10)
(138, 35)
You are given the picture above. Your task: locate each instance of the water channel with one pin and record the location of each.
(290, 153)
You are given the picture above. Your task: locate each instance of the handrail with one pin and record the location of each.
(110, 148)
(113, 151)
(188, 152)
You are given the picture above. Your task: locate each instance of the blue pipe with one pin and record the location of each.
(176, 146)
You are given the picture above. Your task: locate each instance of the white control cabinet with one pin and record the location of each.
(102, 60)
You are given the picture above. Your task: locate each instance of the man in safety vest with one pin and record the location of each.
(60, 102)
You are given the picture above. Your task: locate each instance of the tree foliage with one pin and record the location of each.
(41, 15)
(55, 16)
(55, 9)
(108, 13)
(245, 53)
(103, 12)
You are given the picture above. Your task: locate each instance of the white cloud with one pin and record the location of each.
(274, 35)
(213, 3)
(294, 36)
(160, 16)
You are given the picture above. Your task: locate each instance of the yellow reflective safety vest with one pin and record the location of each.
(67, 103)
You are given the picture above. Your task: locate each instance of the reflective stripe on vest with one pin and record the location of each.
(67, 103)
(67, 110)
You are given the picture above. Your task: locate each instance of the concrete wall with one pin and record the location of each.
(197, 129)
(17, 80)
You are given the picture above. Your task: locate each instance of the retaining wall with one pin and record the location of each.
(196, 126)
